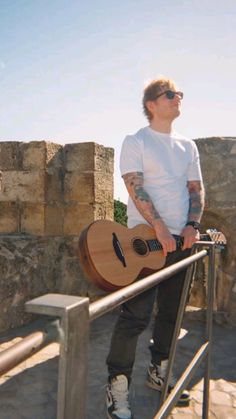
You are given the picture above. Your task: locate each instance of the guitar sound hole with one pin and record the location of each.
(140, 247)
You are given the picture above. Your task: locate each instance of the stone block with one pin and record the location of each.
(88, 157)
(25, 186)
(77, 217)
(33, 155)
(53, 154)
(104, 159)
(88, 187)
(54, 220)
(37, 155)
(110, 211)
(9, 217)
(79, 187)
(103, 189)
(79, 157)
(104, 211)
(10, 157)
(32, 218)
(220, 146)
(54, 185)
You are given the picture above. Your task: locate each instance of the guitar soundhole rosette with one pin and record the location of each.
(140, 247)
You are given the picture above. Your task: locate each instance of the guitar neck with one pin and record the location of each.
(154, 244)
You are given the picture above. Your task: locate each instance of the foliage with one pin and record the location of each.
(120, 215)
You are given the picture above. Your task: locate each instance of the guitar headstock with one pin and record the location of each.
(218, 237)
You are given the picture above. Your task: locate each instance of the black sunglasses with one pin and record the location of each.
(170, 94)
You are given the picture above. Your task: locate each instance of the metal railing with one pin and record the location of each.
(71, 328)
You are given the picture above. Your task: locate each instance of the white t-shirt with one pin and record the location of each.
(167, 162)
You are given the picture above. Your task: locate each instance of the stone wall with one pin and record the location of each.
(49, 193)
(218, 161)
(48, 189)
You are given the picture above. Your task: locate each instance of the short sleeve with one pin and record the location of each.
(131, 155)
(194, 169)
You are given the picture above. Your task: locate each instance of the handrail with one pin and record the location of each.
(22, 350)
(28, 346)
(72, 330)
(106, 304)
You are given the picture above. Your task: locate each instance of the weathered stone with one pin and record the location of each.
(31, 266)
(76, 217)
(10, 158)
(104, 159)
(53, 154)
(218, 146)
(23, 186)
(54, 217)
(79, 157)
(9, 217)
(48, 197)
(55, 177)
(33, 155)
(32, 218)
(97, 186)
(54, 185)
(218, 161)
(36, 155)
(79, 187)
(104, 187)
(104, 212)
(86, 157)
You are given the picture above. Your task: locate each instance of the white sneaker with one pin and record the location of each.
(117, 398)
(155, 379)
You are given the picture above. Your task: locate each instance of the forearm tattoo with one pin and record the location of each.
(196, 200)
(134, 184)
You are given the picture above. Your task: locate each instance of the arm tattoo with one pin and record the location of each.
(134, 184)
(196, 200)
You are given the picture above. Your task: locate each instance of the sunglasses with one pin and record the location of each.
(170, 94)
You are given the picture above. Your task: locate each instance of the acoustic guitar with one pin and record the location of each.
(113, 256)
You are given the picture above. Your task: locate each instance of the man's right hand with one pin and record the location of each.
(164, 237)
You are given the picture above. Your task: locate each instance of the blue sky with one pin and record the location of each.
(73, 71)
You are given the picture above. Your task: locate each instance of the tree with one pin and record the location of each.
(120, 215)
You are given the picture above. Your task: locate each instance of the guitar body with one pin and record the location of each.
(113, 256)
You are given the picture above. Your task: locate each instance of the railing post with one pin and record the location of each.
(73, 337)
(209, 320)
(179, 320)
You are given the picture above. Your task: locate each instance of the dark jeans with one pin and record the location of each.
(135, 316)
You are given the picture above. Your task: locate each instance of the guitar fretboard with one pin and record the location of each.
(154, 244)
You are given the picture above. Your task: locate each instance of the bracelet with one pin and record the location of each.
(194, 224)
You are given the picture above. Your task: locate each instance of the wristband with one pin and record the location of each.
(194, 224)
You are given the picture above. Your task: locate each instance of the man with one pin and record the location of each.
(162, 174)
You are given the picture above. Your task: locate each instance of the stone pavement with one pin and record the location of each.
(29, 391)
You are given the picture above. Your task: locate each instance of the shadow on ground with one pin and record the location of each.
(32, 393)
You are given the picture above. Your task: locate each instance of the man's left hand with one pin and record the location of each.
(190, 236)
